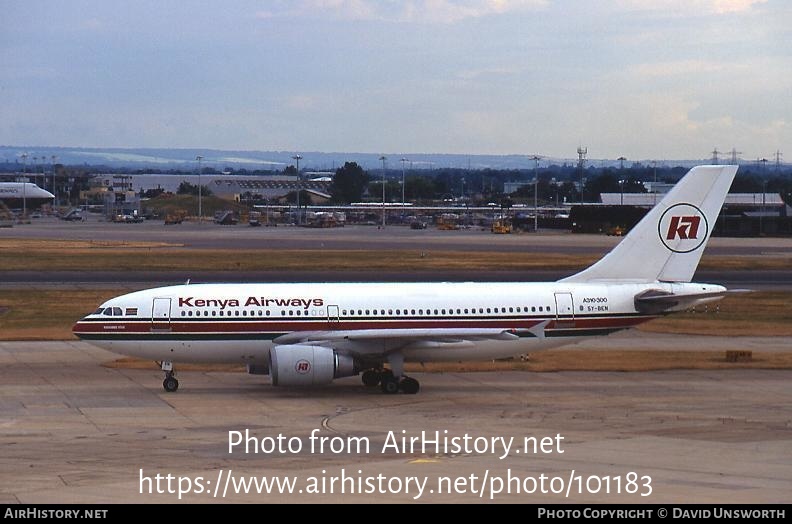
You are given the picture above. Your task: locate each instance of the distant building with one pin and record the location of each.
(768, 200)
(270, 188)
(512, 187)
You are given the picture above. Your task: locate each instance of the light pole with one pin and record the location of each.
(536, 159)
(761, 214)
(297, 158)
(200, 191)
(24, 185)
(403, 160)
(621, 160)
(654, 188)
(54, 190)
(383, 158)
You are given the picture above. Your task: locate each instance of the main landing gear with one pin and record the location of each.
(170, 384)
(388, 383)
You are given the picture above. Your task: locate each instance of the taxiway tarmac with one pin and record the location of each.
(212, 236)
(73, 430)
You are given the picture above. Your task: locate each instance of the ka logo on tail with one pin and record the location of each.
(683, 228)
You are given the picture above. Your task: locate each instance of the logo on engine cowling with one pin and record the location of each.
(302, 367)
(683, 228)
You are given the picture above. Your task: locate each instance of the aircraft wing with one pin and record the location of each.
(444, 335)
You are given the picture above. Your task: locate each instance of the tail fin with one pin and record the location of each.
(666, 245)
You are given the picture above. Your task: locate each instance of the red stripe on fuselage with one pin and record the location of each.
(296, 325)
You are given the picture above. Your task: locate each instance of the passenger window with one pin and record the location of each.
(367, 312)
(189, 313)
(533, 309)
(283, 313)
(511, 310)
(268, 312)
(412, 311)
(183, 313)
(466, 311)
(291, 313)
(488, 310)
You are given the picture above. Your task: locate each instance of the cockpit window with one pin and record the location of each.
(99, 311)
(117, 312)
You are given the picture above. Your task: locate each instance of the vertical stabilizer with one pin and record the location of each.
(666, 245)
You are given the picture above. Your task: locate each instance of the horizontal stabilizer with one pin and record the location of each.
(658, 301)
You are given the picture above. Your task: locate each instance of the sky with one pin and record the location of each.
(644, 79)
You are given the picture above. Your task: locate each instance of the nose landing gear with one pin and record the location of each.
(170, 384)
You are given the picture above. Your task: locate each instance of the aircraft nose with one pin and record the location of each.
(79, 328)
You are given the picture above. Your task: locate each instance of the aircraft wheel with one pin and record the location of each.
(389, 385)
(370, 378)
(409, 386)
(170, 384)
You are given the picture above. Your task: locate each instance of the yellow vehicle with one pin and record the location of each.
(176, 217)
(447, 222)
(501, 227)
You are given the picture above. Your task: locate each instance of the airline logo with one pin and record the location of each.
(683, 228)
(303, 367)
(224, 303)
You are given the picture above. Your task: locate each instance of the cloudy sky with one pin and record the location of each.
(663, 79)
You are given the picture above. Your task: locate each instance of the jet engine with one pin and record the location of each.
(297, 365)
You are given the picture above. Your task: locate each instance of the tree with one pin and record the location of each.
(418, 187)
(349, 183)
(186, 188)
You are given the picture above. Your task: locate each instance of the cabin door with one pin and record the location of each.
(565, 310)
(160, 314)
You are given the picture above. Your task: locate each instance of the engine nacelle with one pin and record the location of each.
(297, 365)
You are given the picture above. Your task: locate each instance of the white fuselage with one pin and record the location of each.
(238, 322)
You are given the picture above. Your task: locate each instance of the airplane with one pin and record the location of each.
(20, 194)
(308, 334)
